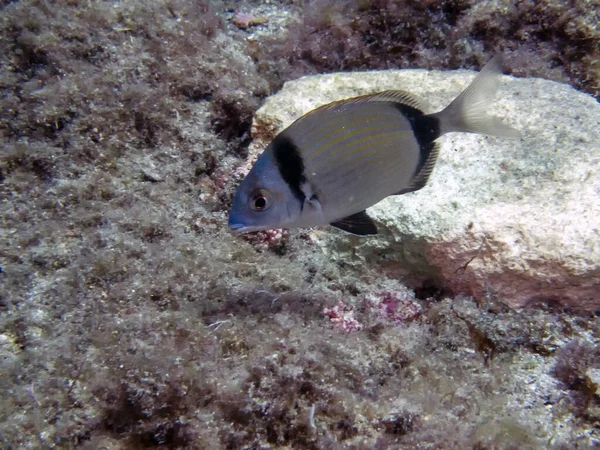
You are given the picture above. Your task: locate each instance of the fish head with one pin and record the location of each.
(263, 200)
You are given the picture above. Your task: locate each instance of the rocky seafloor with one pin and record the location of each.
(131, 318)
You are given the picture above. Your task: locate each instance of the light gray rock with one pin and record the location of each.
(516, 219)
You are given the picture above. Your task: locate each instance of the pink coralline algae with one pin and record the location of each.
(342, 316)
(395, 307)
(273, 240)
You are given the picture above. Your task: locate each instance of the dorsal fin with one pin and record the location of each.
(424, 171)
(396, 96)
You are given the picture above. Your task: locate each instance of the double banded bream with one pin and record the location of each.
(333, 163)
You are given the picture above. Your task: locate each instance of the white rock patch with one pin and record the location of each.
(516, 219)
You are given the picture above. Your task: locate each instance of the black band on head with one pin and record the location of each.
(290, 164)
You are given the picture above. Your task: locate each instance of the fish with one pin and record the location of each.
(336, 161)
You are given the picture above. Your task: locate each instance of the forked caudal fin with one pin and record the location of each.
(467, 113)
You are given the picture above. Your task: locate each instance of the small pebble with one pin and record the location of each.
(153, 177)
(244, 20)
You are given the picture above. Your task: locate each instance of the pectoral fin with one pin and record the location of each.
(360, 224)
(310, 198)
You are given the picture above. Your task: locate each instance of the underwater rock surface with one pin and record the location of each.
(515, 219)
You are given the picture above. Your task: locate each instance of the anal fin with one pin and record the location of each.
(424, 171)
(360, 224)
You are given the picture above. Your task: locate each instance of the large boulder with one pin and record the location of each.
(514, 219)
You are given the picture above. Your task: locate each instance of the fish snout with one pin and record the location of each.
(236, 223)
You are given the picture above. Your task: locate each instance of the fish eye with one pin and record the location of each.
(260, 200)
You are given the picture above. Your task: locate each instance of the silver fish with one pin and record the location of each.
(337, 160)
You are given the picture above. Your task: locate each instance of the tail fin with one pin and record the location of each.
(467, 113)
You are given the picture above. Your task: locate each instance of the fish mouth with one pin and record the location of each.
(241, 228)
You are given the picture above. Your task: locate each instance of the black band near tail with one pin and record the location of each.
(425, 128)
(290, 164)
